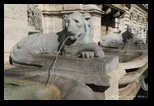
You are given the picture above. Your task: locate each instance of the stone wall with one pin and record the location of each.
(139, 19)
(15, 26)
(96, 21)
(52, 20)
(52, 24)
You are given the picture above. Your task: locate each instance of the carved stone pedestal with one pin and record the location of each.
(112, 93)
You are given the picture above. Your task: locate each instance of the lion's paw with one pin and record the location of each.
(87, 54)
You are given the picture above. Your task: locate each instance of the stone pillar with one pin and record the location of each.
(15, 26)
(52, 24)
(135, 19)
(141, 26)
(126, 19)
(103, 30)
(52, 19)
(121, 25)
(116, 27)
(96, 21)
(144, 26)
(112, 93)
(96, 13)
(109, 31)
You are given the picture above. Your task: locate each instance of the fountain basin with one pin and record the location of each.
(126, 55)
(15, 89)
(34, 88)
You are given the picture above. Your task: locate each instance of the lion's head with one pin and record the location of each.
(133, 31)
(78, 26)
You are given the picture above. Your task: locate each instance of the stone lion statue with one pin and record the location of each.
(131, 35)
(78, 31)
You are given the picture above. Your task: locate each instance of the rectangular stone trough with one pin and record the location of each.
(89, 71)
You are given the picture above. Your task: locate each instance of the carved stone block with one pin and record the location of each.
(90, 71)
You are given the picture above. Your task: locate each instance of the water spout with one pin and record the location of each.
(52, 66)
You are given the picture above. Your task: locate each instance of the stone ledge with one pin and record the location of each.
(61, 12)
(103, 65)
